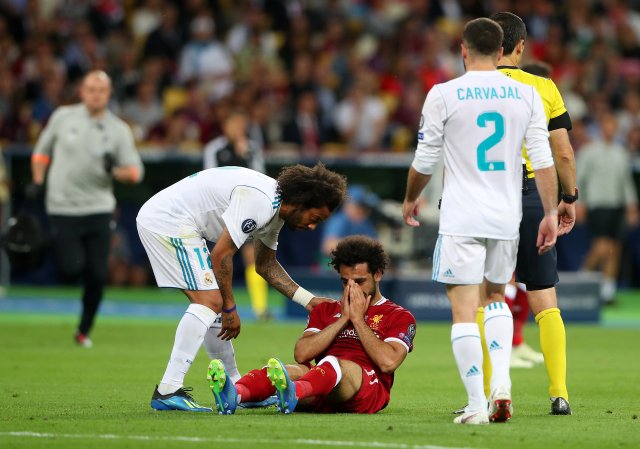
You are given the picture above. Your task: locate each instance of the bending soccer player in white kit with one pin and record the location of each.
(479, 120)
(228, 206)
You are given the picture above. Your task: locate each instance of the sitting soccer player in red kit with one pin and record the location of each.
(357, 345)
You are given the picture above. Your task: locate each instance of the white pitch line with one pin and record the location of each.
(297, 441)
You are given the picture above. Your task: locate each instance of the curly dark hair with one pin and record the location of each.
(312, 187)
(357, 249)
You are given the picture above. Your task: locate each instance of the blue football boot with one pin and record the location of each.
(270, 401)
(285, 387)
(224, 391)
(178, 400)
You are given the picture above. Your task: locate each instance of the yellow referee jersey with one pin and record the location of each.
(557, 115)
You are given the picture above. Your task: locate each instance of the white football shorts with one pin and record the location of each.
(182, 263)
(467, 260)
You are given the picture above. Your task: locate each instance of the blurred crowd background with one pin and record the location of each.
(315, 78)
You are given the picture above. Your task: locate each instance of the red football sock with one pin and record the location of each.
(520, 313)
(319, 381)
(255, 386)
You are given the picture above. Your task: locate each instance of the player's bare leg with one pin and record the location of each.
(596, 255)
(350, 382)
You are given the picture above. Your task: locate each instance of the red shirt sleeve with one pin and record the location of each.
(402, 328)
(317, 318)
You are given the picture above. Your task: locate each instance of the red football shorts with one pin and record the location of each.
(371, 398)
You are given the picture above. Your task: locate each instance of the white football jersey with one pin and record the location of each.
(244, 201)
(479, 120)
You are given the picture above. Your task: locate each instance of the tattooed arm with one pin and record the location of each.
(270, 269)
(222, 261)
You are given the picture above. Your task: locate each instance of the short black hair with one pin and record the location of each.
(357, 249)
(513, 28)
(311, 187)
(482, 36)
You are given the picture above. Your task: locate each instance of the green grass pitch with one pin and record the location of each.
(57, 395)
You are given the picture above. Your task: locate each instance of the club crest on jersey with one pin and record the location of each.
(375, 321)
(249, 225)
(208, 278)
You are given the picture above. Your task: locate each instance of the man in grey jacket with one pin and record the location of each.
(608, 201)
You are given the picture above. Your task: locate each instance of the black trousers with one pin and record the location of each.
(81, 247)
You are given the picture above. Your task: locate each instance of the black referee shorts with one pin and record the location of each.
(531, 268)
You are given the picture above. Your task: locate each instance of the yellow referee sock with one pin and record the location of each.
(258, 290)
(553, 342)
(486, 360)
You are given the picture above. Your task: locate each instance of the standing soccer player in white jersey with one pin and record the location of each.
(479, 121)
(228, 206)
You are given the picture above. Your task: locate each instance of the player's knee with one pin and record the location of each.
(208, 298)
(296, 371)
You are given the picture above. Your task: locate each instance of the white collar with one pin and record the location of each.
(381, 301)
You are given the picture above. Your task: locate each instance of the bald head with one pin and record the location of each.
(95, 91)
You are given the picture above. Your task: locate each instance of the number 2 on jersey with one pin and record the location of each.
(491, 141)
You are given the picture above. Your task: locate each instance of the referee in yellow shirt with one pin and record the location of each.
(539, 272)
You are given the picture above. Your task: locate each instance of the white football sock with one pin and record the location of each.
(498, 332)
(221, 349)
(608, 289)
(467, 350)
(189, 336)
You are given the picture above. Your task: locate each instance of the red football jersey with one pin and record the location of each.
(387, 320)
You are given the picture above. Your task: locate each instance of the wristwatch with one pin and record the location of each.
(570, 199)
